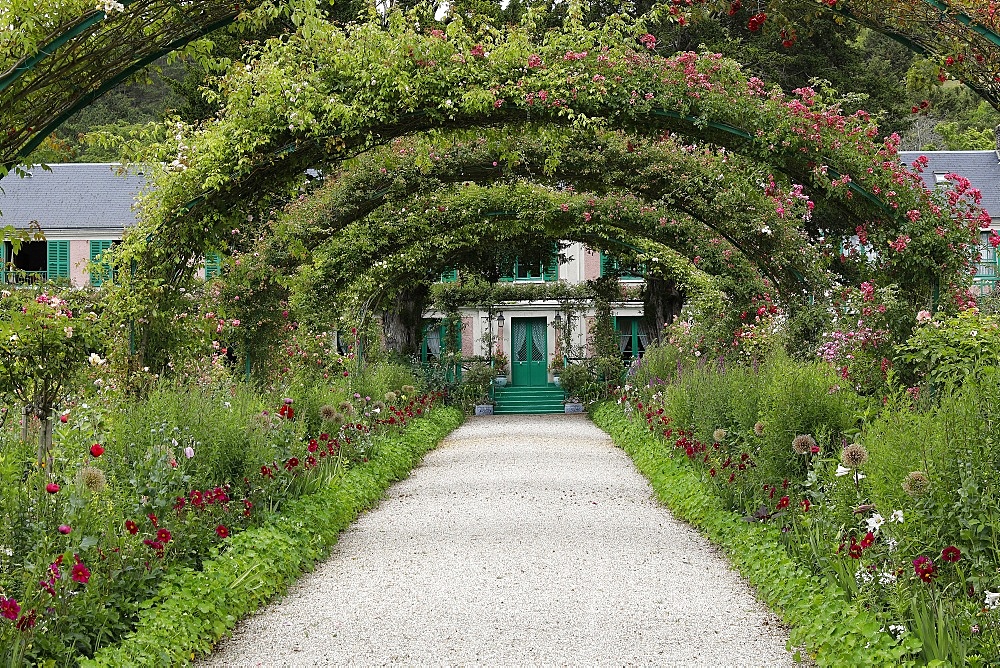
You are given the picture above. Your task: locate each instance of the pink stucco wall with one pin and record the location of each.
(79, 258)
(468, 349)
(591, 265)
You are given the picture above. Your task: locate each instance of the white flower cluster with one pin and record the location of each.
(108, 6)
(993, 600)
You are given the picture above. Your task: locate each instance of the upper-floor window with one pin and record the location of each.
(610, 265)
(529, 272)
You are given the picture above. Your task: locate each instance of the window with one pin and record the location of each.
(29, 265)
(525, 272)
(103, 272)
(631, 339)
(435, 343)
(986, 268)
(609, 265)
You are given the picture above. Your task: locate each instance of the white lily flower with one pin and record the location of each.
(897, 516)
(842, 470)
(875, 522)
(993, 600)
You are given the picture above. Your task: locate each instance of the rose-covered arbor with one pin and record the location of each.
(325, 96)
(58, 56)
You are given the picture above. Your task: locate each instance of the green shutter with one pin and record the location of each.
(58, 260)
(98, 275)
(605, 266)
(550, 270)
(213, 265)
(449, 276)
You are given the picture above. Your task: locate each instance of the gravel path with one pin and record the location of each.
(521, 540)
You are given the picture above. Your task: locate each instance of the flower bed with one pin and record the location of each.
(137, 495)
(193, 609)
(871, 525)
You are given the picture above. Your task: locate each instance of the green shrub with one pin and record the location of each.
(574, 380)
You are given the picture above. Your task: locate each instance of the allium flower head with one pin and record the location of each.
(328, 413)
(916, 483)
(719, 435)
(854, 455)
(803, 444)
(408, 389)
(758, 428)
(390, 397)
(92, 479)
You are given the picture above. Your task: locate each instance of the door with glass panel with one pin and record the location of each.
(529, 351)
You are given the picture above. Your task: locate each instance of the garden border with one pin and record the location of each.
(194, 609)
(833, 631)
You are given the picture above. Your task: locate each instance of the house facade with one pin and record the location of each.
(982, 168)
(530, 334)
(81, 209)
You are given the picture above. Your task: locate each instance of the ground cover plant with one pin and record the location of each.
(876, 472)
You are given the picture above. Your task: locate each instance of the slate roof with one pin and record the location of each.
(982, 168)
(76, 196)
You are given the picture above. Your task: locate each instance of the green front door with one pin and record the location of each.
(529, 352)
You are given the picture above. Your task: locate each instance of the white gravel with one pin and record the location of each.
(521, 540)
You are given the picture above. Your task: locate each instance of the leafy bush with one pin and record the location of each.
(946, 350)
(574, 380)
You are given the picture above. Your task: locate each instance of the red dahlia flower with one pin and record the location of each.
(222, 531)
(783, 503)
(951, 554)
(131, 527)
(163, 536)
(924, 568)
(80, 573)
(9, 608)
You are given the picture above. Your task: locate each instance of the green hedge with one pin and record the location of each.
(832, 630)
(194, 609)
